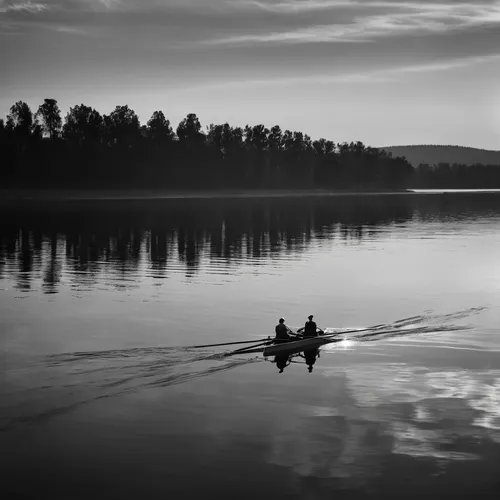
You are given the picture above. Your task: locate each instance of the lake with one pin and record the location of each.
(99, 397)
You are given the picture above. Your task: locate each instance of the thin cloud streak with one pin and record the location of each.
(381, 76)
(448, 65)
(298, 6)
(414, 19)
(27, 7)
(334, 33)
(69, 29)
(110, 4)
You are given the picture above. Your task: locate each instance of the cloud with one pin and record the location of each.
(298, 6)
(292, 6)
(110, 4)
(332, 33)
(271, 22)
(369, 20)
(70, 29)
(447, 65)
(385, 75)
(26, 7)
(266, 29)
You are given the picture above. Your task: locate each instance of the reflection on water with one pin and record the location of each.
(393, 410)
(96, 297)
(120, 242)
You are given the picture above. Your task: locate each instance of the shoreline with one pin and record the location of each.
(145, 194)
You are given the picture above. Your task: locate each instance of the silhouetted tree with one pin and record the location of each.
(214, 136)
(189, 131)
(20, 119)
(123, 126)
(159, 129)
(322, 147)
(37, 130)
(275, 138)
(50, 115)
(82, 123)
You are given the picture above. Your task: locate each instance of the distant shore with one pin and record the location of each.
(149, 194)
(145, 194)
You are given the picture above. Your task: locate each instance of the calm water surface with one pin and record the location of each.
(98, 398)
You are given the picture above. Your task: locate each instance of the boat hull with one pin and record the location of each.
(330, 335)
(298, 345)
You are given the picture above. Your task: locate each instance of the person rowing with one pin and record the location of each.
(311, 329)
(283, 333)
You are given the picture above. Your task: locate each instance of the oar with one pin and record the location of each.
(300, 331)
(245, 349)
(269, 338)
(353, 331)
(229, 343)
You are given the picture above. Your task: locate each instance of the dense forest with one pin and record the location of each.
(90, 150)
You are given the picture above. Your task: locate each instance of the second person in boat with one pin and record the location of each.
(311, 329)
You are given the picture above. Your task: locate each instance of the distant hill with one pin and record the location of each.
(445, 154)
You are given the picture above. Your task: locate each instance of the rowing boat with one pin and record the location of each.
(329, 336)
(297, 345)
(269, 346)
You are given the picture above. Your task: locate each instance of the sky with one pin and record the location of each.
(391, 72)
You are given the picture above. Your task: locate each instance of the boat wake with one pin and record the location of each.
(413, 326)
(62, 382)
(431, 327)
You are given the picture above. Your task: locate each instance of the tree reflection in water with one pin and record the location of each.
(145, 237)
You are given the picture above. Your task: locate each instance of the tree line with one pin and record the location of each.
(457, 176)
(90, 150)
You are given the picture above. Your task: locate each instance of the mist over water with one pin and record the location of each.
(100, 302)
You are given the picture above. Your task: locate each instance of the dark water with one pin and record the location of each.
(101, 399)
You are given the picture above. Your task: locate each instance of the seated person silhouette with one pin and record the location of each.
(311, 329)
(283, 333)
